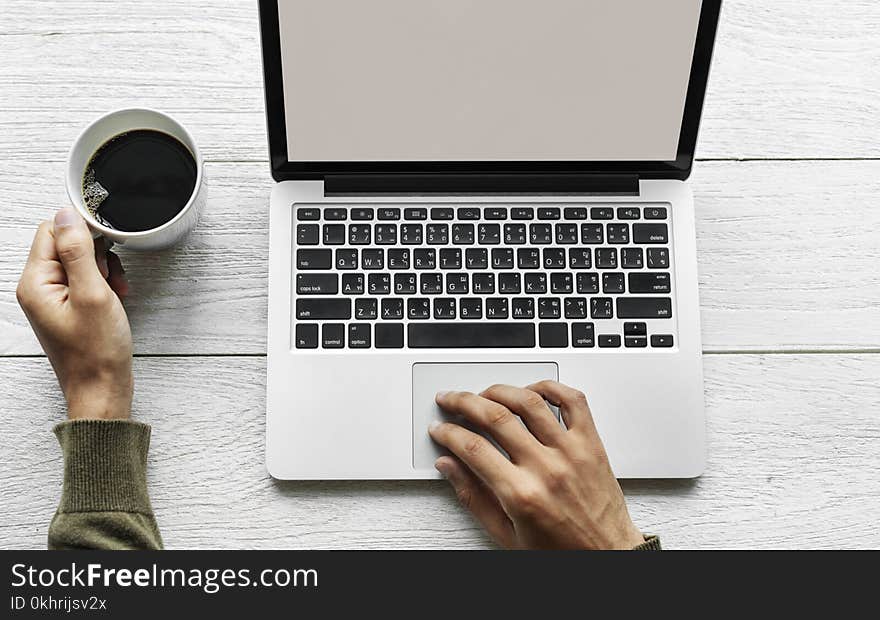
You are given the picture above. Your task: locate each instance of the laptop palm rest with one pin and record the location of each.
(428, 379)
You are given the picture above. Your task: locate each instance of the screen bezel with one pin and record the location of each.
(680, 168)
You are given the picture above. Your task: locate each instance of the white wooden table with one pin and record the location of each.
(787, 190)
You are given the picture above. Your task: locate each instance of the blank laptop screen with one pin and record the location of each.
(485, 80)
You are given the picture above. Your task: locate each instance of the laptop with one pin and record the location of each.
(478, 192)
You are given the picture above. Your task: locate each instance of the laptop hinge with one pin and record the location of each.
(469, 184)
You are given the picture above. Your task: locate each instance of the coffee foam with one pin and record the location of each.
(93, 193)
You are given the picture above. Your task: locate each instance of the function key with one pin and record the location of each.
(655, 213)
(495, 213)
(628, 213)
(548, 213)
(415, 214)
(602, 213)
(389, 213)
(609, 341)
(575, 213)
(661, 341)
(306, 336)
(362, 213)
(442, 213)
(335, 213)
(469, 213)
(308, 213)
(522, 213)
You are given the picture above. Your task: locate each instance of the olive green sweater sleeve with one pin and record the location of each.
(104, 502)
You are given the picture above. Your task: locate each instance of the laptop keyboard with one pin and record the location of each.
(476, 276)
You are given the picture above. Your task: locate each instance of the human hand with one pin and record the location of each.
(71, 290)
(557, 491)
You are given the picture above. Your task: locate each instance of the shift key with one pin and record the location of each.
(644, 307)
(317, 309)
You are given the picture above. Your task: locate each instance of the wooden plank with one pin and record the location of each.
(790, 79)
(792, 463)
(787, 259)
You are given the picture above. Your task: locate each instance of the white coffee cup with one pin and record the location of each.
(94, 137)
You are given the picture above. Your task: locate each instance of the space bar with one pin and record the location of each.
(471, 335)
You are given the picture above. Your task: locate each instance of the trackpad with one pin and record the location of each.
(428, 379)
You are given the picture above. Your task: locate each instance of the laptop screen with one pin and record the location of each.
(485, 80)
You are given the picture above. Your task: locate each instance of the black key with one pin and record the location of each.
(405, 284)
(332, 213)
(318, 309)
(359, 335)
(437, 234)
(650, 233)
(362, 213)
(522, 213)
(658, 258)
(509, 283)
(415, 214)
(496, 308)
(548, 213)
(612, 283)
(379, 284)
(502, 258)
(514, 234)
(495, 213)
(471, 335)
(308, 234)
(346, 259)
(661, 341)
(470, 308)
(618, 233)
(457, 283)
(549, 308)
(476, 258)
(606, 258)
(655, 213)
(649, 283)
(392, 309)
(317, 283)
(469, 213)
(583, 335)
(425, 258)
(307, 213)
(575, 213)
(333, 335)
(528, 258)
(489, 234)
(359, 234)
(602, 308)
(635, 342)
(366, 309)
(601, 213)
(450, 258)
(522, 308)
(442, 213)
(566, 233)
(389, 213)
(554, 258)
(444, 308)
(334, 234)
(463, 234)
(372, 259)
(418, 308)
(632, 258)
(386, 234)
(609, 341)
(353, 284)
(575, 307)
(411, 234)
(561, 283)
(541, 233)
(389, 336)
(536, 283)
(306, 336)
(580, 258)
(635, 329)
(592, 234)
(644, 307)
(553, 335)
(628, 213)
(398, 258)
(431, 284)
(484, 283)
(588, 283)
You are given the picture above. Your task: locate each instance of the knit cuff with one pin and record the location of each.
(105, 466)
(652, 543)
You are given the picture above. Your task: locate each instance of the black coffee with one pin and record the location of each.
(139, 180)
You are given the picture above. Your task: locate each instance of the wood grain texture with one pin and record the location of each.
(793, 448)
(790, 78)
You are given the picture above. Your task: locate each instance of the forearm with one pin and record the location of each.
(104, 501)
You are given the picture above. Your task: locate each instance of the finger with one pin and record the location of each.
(477, 499)
(42, 247)
(494, 418)
(571, 402)
(531, 408)
(101, 257)
(116, 278)
(73, 243)
(477, 453)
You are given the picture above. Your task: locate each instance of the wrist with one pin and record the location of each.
(100, 401)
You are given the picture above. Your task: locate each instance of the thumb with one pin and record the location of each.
(75, 248)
